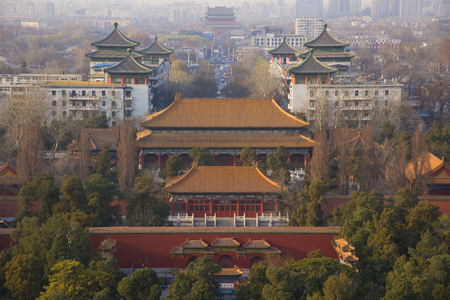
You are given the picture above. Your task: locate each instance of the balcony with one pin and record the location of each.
(362, 107)
(128, 107)
(84, 108)
(86, 98)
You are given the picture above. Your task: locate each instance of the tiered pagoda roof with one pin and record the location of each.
(116, 40)
(325, 40)
(311, 66)
(111, 55)
(129, 66)
(220, 12)
(156, 49)
(223, 113)
(283, 49)
(217, 180)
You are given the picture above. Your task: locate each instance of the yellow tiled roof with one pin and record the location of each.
(427, 163)
(146, 139)
(223, 113)
(223, 180)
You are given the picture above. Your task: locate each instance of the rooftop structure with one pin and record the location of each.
(220, 19)
(225, 127)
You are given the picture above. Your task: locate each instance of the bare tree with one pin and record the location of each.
(368, 170)
(20, 111)
(58, 132)
(435, 98)
(320, 163)
(321, 109)
(344, 163)
(84, 155)
(419, 165)
(127, 157)
(31, 153)
(393, 170)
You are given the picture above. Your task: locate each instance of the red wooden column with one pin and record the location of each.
(159, 161)
(187, 206)
(146, 80)
(234, 160)
(211, 203)
(276, 206)
(134, 80)
(289, 157)
(261, 208)
(122, 80)
(238, 208)
(141, 160)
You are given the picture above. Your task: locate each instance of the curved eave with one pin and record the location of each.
(112, 70)
(147, 51)
(101, 43)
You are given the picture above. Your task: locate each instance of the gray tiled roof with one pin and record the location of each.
(116, 39)
(129, 66)
(311, 66)
(284, 48)
(325, 40)
(155, 48)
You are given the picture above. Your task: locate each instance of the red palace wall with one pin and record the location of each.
(155, 244)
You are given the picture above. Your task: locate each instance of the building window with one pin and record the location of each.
(83, 93)
(269, 207)
(127, 94)
(366, 93)
(93, 93)
(386, 103)
(327, 93)
(180, 206)
(140, 80)
(113, 113)
(53, 113)
(64, 113)
(356, 93)
(74, 93)
(113, 123)
(376, 92)
(128, 80)
(113, 93)
(64, 103)
(53, 93)
(117, 79)
(336, 93)
(386, 92)
(63, 92)
(103, 103)
(53, 103)
(103, 93)
(113, 103)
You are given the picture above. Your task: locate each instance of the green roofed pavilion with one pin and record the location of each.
(116, 40)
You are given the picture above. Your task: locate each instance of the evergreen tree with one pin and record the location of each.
(387, 132)
(22, 277)
(277, 162)
(74, 196)
(143, 285)
(202, 157)
(174, 165)
(309, 211)
(102, 164)
(144, 208)
(96, 122)
(247, 157)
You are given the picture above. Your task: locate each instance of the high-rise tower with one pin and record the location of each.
(309, 8)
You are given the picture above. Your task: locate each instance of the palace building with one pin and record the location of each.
(224, 127)
(220, 19)
(224, 192)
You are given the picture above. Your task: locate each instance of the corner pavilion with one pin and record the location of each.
(224, 126)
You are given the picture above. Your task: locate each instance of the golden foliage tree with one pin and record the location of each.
(127, 157)
(30, 153)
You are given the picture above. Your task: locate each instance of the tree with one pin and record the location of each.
(202, 157)
(263, 82)
(368, 175)
(59, 251)
(20, 111)
(339, 288)
(60, 133)
(102, 162)
(421, 218)
(257, 281)
(319, 168)
(144, 208)
(309, 212)
(143, 285)
(30, 154)
(387, 132)
(247, 157)
(344, 163)
(418, 172)
(100, 193)
(434, 98)
(278, 164)
(96, 122)
(174, 165)
(197, 283)
(42, 189)
(23, 277)
(127, 157)
(74, 196)
(84, 155)
(71, 280)
(283, 285)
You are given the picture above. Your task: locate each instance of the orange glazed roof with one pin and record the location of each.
(146, 139)
(222, 179)
(431, 165)
(222, 113)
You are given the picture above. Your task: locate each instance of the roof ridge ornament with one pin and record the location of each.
(115, 25)
(129, 51)
(325, 26)
(284, 39)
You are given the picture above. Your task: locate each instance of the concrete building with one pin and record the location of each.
(410, 9)
(344, 8)
(310, 27)
(271, 40)
(444, 7)
(380, 9)
(309, 8)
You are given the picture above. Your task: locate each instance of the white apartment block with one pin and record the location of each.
(272, 40)
(353, 102)
(308, 27)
